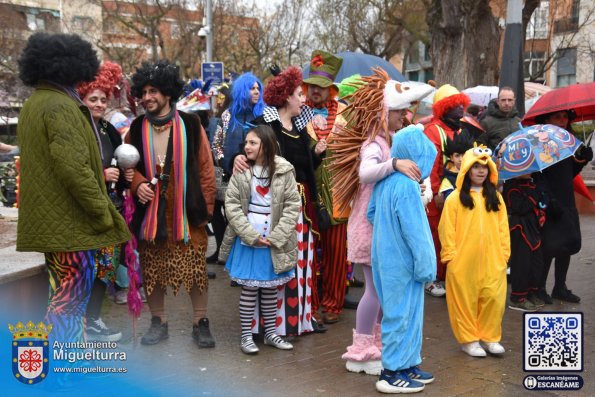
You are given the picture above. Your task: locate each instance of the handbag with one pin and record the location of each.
(161, 234)
(221, 182)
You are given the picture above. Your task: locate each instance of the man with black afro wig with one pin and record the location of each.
(65, 59)
(162, 75)
(174, 184)
(64, 209)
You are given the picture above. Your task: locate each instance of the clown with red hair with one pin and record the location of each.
(95, 96)
(322, 92)
(448, 109)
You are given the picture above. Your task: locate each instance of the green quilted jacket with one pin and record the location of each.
(63, 202)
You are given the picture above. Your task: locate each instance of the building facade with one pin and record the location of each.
(559, 44)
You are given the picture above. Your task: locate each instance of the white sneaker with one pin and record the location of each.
(98, 331)
(121, 297)
(372, 367)
(435, 288)
(473, 349)
(494, 348)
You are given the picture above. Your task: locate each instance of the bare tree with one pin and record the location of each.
(378, 27)
(465, 42)
(135, 30)
(14, 33)
(281, 37)
(232, 31)
(561, 33)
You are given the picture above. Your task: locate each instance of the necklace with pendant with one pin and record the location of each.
(161, 159)
(162, 128)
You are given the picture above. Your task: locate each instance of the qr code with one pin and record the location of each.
(553, 342)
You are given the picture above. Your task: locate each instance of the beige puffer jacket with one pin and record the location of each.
(285, 207)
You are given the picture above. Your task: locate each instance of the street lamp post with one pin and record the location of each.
(209, 29)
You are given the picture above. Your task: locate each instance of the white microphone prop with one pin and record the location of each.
(127, 156)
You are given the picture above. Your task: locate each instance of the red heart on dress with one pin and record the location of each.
(310, 282)
(299, 227)
(262, 190)
(253, 323)
(279, 303)
(312, 245)
(302, 282)
(305, 228)
(301, 263)
(302, 245)
(292, 283)
(292, 320)
(309, 298)
(308, 316)
(278, 321)
(292, 302)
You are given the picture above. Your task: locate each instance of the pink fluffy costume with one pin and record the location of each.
(362, 159)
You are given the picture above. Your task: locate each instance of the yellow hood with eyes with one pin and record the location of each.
(478, 154)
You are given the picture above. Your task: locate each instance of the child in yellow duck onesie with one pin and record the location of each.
(476, 245)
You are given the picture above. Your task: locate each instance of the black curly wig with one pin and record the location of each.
(162, 75)
(65, 59)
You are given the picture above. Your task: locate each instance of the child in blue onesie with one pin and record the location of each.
(403, 259)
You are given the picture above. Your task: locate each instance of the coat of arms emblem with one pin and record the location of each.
(30, 351)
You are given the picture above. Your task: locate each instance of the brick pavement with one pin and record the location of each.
(314, 367)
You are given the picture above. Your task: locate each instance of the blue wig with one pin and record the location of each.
(241, 101)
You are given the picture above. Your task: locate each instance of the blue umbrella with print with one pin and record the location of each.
(533, 149)
(362, 64)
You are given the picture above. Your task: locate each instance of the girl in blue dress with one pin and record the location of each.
(260, 244)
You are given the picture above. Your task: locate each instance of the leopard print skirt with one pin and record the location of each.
(173, 264)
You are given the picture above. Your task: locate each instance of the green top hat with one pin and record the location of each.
(323, 69)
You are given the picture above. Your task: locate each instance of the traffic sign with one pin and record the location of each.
(212, 71)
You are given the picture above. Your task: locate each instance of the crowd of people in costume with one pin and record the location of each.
(301, 179)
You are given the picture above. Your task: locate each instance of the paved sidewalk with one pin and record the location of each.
(315, 368)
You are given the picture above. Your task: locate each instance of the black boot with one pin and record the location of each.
(213, 258)
(318, 328)
(202, 334)
(350, 302)
(355, 283)
(156, 333)
(564, 294)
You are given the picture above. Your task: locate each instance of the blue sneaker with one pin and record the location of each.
(397, 382)
(421, 376)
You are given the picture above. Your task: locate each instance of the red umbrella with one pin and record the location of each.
(579, 187)
(580, 97)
